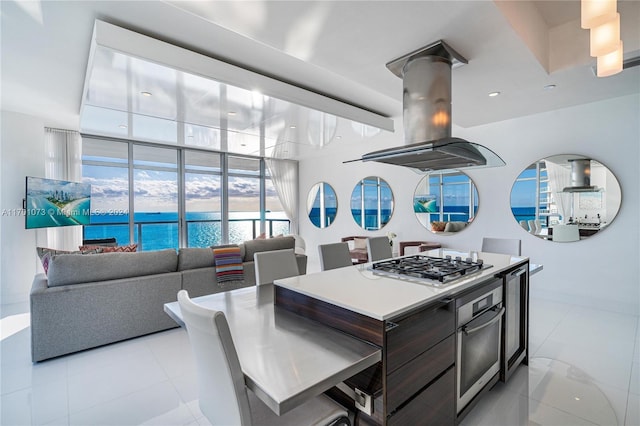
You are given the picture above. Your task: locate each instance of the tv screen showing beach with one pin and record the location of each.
(53, 203)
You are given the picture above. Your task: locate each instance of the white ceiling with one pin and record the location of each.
(336, 48)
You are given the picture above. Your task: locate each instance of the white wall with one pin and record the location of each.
(22, 154)
(600, 271)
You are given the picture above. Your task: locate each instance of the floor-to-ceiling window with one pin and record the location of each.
(106, 167)
(244, 198)
(203, 198)
(179, 196)
(155, 197)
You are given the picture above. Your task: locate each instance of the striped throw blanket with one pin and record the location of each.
(228, 263)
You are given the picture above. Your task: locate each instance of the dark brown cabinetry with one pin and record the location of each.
(417, 361)
(415, 383)
(420, 349)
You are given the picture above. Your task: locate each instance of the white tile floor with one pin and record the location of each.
(584, 370)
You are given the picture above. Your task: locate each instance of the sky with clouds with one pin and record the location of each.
(157, 191)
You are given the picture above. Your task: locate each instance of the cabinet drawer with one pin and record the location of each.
(417, 333)
(433, 406)
(403, 383)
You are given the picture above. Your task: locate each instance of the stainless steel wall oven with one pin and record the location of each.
(479, 325)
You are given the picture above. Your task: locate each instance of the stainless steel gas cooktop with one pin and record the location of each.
(427, 269)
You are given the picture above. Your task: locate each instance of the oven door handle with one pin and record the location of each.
(493, 320)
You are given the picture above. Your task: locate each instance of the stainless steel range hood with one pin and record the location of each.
(428, 145)
(581, 176)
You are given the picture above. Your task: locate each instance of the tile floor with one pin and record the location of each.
(584, 370)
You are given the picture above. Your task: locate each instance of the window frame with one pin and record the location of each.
(182, 169)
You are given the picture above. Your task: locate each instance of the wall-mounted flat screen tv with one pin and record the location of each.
(53, 203)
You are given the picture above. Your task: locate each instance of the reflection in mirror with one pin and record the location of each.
(372, 203)
(321, 128)
(322, 204)
(565, 198)
(445, 202)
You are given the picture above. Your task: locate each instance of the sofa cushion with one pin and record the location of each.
(455, 226)
(76, 269)
(256, 246)
(194, 258)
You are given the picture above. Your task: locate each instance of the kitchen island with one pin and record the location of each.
(415, 324)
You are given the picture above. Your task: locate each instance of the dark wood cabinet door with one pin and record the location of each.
(417, 333)
(433, 406)
(409, 379)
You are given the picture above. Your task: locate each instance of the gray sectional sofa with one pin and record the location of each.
(87, 301)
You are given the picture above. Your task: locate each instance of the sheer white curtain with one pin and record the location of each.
(559, 178)
(64, 162)
(284, 174)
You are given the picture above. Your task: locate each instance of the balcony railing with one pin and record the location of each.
(198, 233)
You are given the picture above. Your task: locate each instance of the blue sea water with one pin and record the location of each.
(330, 215)
(156, 231)
(524, 213)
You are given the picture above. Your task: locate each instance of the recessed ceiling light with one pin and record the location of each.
(494, 94)
(123, 126)
(147, 94)
(549, 87)
(338, 137)
(231, 113)
(292, 127)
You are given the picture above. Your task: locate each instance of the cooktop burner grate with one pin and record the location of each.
(428, 268)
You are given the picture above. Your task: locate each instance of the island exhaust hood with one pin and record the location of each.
(580, 176)
(428, 145)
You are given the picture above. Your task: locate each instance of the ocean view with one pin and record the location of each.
(159, 230)
(524, 213)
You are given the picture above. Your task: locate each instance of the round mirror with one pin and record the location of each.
(565, 198)
(445, 203)
(372, 203)
(322, 204)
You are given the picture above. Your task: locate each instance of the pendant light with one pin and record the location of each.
(610, 64)
(603, 20)
(596, 12)
(605, 38)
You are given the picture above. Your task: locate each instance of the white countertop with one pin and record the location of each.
(359, 290)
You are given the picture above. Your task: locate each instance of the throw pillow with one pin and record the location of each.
(46, 254)
(438, 226)
(131, 248)
(228, 263)
(360, 243)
